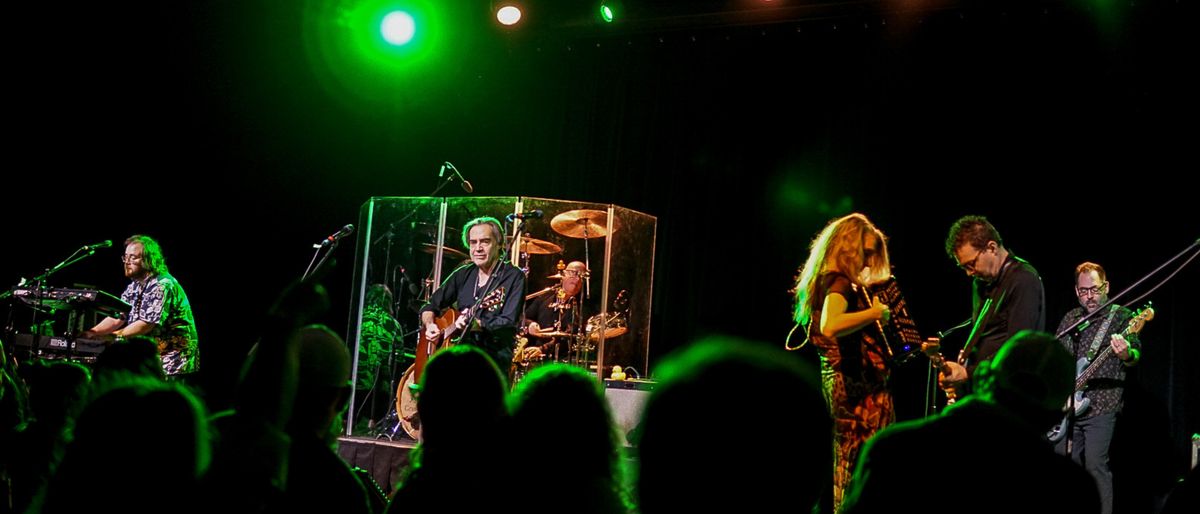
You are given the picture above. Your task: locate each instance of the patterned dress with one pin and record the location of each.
(854, 374)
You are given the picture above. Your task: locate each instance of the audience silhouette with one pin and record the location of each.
(763, 406)
(987, 452)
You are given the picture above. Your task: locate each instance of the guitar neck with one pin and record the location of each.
(1135, 327)
(1093, 368)
(470, 314)
(939, 363)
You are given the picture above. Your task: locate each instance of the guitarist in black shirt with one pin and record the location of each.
(1007, 295)
(497, 286)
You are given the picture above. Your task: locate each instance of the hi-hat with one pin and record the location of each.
(582, 223)
(447, 252)
(534, 246)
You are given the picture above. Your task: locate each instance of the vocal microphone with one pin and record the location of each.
(527, 215)
(466, 184)
(345, 231)
(107, 243)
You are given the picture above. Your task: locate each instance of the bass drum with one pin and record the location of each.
(406, 404)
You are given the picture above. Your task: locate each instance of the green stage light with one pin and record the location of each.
(398, 28)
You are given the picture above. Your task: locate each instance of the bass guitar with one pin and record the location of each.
(1087, 370)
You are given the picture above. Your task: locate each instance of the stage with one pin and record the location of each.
(385, 460)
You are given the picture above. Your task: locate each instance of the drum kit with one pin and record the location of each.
(577, 347)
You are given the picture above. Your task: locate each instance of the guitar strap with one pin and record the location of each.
(1096, 341)
(990, 305)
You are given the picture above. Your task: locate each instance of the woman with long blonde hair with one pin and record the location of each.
(832, 306)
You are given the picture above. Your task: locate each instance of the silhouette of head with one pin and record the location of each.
(461, 394)
(726, 388)
(138, 446)
(1032, 375)
(565, 404)
(137, 355)
(323, 386)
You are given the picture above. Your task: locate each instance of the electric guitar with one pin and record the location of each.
(1086, 371)
(446, 322)
(932, 349)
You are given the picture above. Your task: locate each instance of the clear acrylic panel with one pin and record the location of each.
(409, 245)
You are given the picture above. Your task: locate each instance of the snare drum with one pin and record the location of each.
(615, 326)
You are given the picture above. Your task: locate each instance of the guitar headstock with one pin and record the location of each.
(1139, 320)
(493, 299)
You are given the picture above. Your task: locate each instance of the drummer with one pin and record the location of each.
(552, 315)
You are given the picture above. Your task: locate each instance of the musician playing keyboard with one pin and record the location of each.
(159, 309)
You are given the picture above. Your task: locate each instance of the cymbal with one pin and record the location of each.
(534, 246)
(552, 334)
(582, 223)
(447, 252)
(609, 333)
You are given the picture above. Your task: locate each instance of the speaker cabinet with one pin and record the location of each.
(626, 398)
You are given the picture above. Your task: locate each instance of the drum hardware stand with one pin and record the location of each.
(389, 425)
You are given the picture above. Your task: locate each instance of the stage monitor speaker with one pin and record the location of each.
(626, 398)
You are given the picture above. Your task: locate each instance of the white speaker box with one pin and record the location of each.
(626, 398)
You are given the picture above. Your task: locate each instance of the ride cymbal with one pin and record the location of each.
(582, 223)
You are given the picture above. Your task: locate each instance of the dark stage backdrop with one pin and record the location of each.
(226, 132)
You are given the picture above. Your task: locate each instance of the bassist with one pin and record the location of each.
(1093, 428)
(491, 328)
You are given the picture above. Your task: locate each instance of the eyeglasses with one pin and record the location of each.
(130, 258)
(574, 273)
(1091, 291)
(970, 265)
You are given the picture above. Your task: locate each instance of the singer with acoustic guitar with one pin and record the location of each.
(479, 303)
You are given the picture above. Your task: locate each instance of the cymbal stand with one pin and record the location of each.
(587, 261)
(523, 256)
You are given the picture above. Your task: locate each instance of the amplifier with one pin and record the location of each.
(626, 398)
